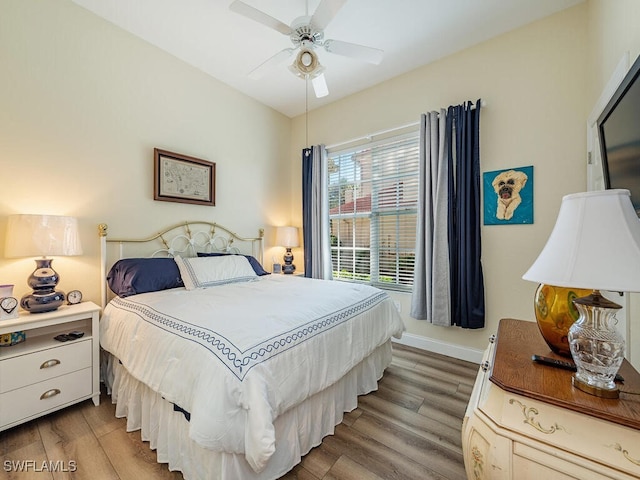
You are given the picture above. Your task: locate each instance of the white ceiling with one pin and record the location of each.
(226, 45)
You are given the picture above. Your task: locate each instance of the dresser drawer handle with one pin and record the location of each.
(49, 393)
(50, 363)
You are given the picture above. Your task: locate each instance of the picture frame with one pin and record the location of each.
(508, 196)
(184, 179)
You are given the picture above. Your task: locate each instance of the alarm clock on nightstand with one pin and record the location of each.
(9, 306)
(8, 303)
(74, 297)
(8, 311)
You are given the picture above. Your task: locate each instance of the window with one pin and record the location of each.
(373, 199)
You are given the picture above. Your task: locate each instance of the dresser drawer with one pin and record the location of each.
(40, 398)
(593, 438)
(18, 372)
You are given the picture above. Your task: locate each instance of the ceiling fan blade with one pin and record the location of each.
(320, 86)
(325, 12)
(259, 16)
(368, 54)
(265, 66)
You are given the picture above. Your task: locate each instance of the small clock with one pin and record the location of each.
(74, 297)
(8, 304)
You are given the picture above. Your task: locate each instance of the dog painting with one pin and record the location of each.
(508, 196)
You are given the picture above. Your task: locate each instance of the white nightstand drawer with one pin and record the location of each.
(46, 364)
(42, 397)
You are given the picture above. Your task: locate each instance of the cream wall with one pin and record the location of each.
(533, 81)
(613, 31)
(83, 105)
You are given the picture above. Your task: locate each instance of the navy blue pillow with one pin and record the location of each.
(255, 264)
(130, 276)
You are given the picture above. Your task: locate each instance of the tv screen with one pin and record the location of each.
(619, 130)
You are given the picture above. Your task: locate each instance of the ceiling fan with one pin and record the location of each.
(306, 34)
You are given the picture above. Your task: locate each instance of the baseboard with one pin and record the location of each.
(443, 348)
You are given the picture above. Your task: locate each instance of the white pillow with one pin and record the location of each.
(201, 272)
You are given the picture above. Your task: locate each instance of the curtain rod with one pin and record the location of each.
(370, 136)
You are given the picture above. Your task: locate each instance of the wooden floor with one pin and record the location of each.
(408, 429)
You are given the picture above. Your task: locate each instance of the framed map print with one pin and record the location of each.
(179, 178)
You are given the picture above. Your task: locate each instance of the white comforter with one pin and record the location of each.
(237, 356)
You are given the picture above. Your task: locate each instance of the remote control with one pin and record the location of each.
(565, 365)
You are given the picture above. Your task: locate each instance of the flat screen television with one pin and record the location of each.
(619, 131)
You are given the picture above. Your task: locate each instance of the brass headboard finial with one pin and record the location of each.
(102, 229)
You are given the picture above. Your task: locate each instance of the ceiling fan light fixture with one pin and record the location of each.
(306, 63)
(306, 59)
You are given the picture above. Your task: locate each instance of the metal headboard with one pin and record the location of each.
(185, 239)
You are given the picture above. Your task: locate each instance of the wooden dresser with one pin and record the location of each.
(525, 420)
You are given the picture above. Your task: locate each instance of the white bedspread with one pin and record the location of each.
(237, 356)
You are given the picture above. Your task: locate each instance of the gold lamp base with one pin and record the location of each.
(555, 313)
(591, 390)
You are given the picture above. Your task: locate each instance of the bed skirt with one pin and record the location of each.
(297, 431)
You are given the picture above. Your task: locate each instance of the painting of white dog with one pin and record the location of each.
(509, 187)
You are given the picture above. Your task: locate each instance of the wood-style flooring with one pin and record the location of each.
(409, 429)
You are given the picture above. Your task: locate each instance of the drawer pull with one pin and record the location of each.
(49, 393)
(50, 363)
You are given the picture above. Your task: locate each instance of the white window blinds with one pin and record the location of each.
(373, 198)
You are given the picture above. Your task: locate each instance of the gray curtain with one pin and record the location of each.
(448, 284)
(315, 213)
(431, 296)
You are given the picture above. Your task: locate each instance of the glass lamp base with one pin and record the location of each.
(596, 346)
(592, 390)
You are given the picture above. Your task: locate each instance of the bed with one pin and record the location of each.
(228, 371)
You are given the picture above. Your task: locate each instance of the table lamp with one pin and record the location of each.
(287, 237)
(42, 235)
(595, 244)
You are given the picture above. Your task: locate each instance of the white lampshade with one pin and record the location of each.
(287, 237)
(595, 244)
(42, 235)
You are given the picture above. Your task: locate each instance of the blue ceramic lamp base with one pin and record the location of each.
(44, 297)
(288, 266)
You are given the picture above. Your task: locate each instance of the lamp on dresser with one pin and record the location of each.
(42, 236)
(287, 237)
(594, 245)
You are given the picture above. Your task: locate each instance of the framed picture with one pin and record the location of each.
(508, 196)
(179, 178)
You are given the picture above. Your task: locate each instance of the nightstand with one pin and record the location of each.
(41, 374)
(525, 421)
